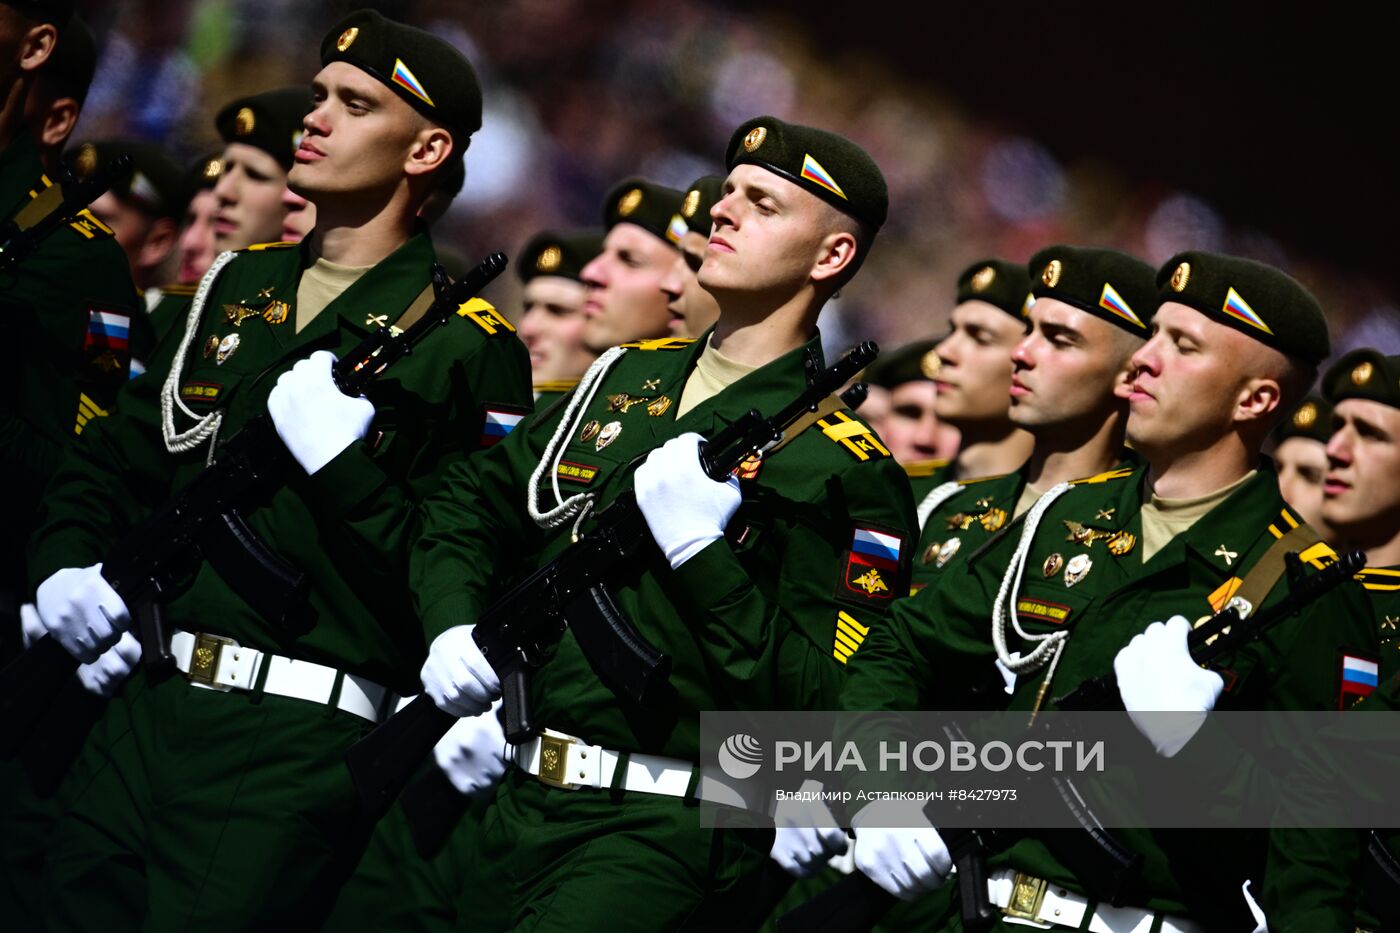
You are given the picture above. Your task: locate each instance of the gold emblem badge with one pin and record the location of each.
(1362, 373)
(347, 38)
(376, 320)
(993, 519)
(611, 432)
(1226, 555)
(590, 431)
(1052, 565)
(211, 346)
(692, 203)
(1105, 515)
(86, 161)
(629, 202)
(276, 312)
(212, 169)
(237, 314)
(1051, 274)
(650, 384)
(871, 582)
(1305, 416)
(930, 365)
(1121, 543)
(983, 278)
(658, 406)
(227, 347)
(549, 259)
(1078, 568)
(1181, 275)
(244, 121)
(930, 554)
(755, 138)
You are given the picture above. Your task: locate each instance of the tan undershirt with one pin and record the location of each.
(1164, 519)
(322, 283)
(713, 373)
(1028, 497)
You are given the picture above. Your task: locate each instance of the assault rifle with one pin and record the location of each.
(54, 206)
(518, 631)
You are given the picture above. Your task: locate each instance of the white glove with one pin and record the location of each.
(685, 509)
(905, 856)
(473, 752)
(457, 675)
(31, 627)
(1166, 694)
(807, 836)
(314, 418)
(1261, 923)
(82, 611)
(105, 676)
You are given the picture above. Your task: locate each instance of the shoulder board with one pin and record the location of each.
(87, 224)
(659, 343)
(1320, 555)
(924, 467)
(1380, 580)
(483, 314)
(263, 247)
(1108, 477)
(555, 385)
(854, 435)
(84, 222)
(1282, 525)
(980, 479)
(179, 289)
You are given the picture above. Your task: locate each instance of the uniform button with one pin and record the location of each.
(583, 754)
(1057, 911)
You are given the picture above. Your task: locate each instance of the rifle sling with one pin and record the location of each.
(1266, 571)
(829, 405)
(39, 207)
(417, 309)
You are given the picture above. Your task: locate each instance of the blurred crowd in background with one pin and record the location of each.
(581, 93)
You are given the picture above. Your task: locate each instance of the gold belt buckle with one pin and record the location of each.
(204, 660)
(1027, 894)
(554, 761)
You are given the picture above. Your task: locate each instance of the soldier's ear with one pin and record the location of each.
(1258, 399)
(59, 122)
(836, 253)
(430, 151)
(36, 47)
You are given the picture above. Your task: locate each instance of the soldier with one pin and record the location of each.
(196, 251)
(550, 269)
(142, 210)
(693, 310)
(60, 88)
(918, 439)
(625, 301)
(1185, 535)
(772, 600)
(219, 797)
(973, 383)
(1300, 455)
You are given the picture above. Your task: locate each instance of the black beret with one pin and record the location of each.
(652, 207)
(1253, 298)
(203, 173)
(427, 72)
(69, 70)
(997, 282)
(830, 166)
(154, 184)
(1312, 419)
(270, 121)
(1110, 285)
(910, 363)
(58, 12)
(559, 253)
(703, 194)
(1367, 374)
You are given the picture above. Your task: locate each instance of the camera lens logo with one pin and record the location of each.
(740, 756)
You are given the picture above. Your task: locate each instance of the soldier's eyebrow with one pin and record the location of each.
(758, 193)
(1062, 332)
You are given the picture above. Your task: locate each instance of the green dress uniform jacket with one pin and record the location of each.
(964, 522)
(193, 807)
(926, 475)
(936, 650)
(762, 619)
(170, 309)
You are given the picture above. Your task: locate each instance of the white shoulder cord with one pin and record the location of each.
(1050, 642)
(576, 506)
(935, 498)
(206, 426)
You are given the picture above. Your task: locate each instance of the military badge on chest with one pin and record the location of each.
(872, 567)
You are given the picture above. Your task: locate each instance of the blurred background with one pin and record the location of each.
(1000, 127)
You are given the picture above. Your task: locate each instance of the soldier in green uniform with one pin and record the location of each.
(143, 209)
(973, 383)
(693, 310)
(218, 797)
(550, 269)
(1200, 526)
(261, 133)
(757, 588)
(1300, 456)
(918, 439)
(624, 300)
(60, 89)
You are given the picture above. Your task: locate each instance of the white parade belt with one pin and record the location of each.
(1029, 901)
